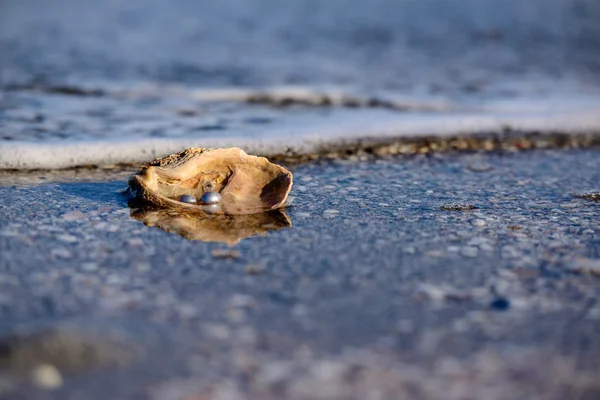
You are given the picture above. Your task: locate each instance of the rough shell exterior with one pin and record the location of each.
(247, 184)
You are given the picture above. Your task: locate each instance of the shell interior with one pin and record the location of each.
(247, 184)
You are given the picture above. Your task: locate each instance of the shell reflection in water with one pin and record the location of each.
(216, 227)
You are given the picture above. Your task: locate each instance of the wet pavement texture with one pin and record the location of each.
(437, 276)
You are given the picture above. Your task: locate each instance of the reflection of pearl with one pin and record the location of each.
(211, 208)
(187, 198)
(211, 198)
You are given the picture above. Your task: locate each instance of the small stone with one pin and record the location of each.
(436, 293)
(225, 253)
(142, 267)
(46, 376)
(569, 205)
(255, 269)
(112, 228)
(469, 251)
(74, 216)
(586, 266)
(241, 301)
(330, 213)
(409, 249)
(67, 238)
(594, 196)
(135, 242)
(458, 207)
(60, 252)
(500, 304)
(477, 167)
(89, 266)
(478, 222)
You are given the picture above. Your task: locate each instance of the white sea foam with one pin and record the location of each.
(299, 130)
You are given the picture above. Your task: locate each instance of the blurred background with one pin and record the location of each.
(209, 73)
(408, 45)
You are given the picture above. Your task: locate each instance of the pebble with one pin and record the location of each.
(458, 207)
(241, 301)
(89, 266)
(410, 249)
(330, 213)
(569, 205)
(60, 252)
(586, 266)
(47, 376)
(73, 216)
(142, 267)
(478, 222)
(469, 251)
(500, 304)
(135, 242)
(255, 269)
(225, 253)
(67, 238)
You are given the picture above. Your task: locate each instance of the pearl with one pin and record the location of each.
(211, 198)
(188, 198)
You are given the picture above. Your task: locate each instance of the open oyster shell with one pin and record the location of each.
(247, 184)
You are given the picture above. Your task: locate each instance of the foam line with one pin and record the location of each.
(341, 128)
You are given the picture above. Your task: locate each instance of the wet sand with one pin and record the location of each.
(434, 276)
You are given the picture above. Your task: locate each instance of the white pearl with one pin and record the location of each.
(211, 198)
(188, 198)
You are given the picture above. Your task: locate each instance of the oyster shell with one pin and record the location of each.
(229, 229)
(247, 184)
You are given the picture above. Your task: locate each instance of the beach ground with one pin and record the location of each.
(457, 276)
